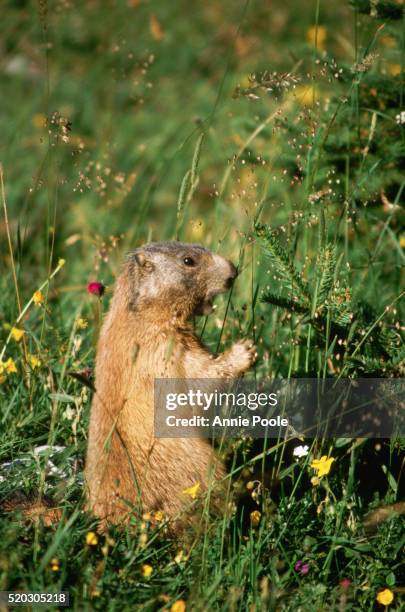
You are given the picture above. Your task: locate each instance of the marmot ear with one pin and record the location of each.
(143, 262)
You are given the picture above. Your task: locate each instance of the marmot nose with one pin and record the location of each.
(233, 274)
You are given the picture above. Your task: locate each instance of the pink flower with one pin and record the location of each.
(345, 583)
(96, 288)
(301, 567)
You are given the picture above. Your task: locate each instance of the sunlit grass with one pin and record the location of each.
(130, 124)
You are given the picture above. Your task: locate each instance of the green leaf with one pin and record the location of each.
(63, 398)
(391, 480)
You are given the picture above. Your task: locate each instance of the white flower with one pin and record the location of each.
(400, 118)
(301, 451)
(69, 413)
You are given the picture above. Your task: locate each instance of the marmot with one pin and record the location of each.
(146, 335)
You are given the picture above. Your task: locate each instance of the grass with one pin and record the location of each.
(128, 123)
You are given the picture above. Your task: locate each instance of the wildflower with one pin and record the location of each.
(91, 538)
(81, 323)
(197, 230)
(192, 491)
(394, 69)
(255, 517)
(158, 516)
(400, 118)
(385, 597)
(402, 242)
(322, 465)
(300, 451)
(96, 288)
(155, 28)
(146, 570)
(39, 120)
(61, 263)
(178, 606)
(180, 557)
(55, 565)
(316, 36)
(345, 583)
(302, 567)
(388, 41)
(315, 481)
(9, 366)
(69, 413)
(305, 95)
(38, 298)
(34, 361)
(17, 333)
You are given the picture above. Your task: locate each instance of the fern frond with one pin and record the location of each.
(284, 267)
(327, 268)
(282, 302)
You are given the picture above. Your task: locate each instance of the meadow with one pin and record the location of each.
(272, 133)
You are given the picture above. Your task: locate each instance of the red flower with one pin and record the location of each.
(345, 583)
(96, 288)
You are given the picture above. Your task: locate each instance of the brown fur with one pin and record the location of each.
(146, 335)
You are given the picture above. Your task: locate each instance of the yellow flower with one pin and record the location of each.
(394, 69)
(197, 229)
(322, 465)
(155, 28)
(91, 538)
(158, 516)
(55, 565)
(17, 333)
(38, 298)
(192, 491)
(178, 606)
(81, 323)
(3, 377)
(180, 557)
(315, 481)
(146, 570)
(305, 95)
(39, 120)
(387, 41)
(61, 263)
(402, 242)
(385, 597)
(10, 366)
(35, 362)
(255, 517)
(316, 36)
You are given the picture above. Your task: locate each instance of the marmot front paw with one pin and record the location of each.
(243, 355)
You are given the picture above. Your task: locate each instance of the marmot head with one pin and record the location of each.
(177, 278)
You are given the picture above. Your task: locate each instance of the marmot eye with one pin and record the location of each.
(189, 261)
